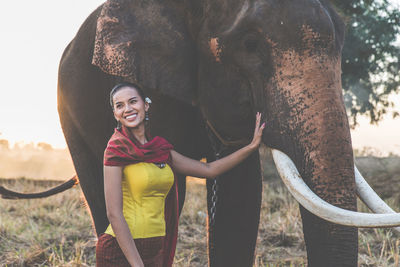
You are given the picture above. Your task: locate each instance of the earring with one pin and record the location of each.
(119, 126)
(146, 116)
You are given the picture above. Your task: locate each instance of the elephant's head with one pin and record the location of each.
(281, 58)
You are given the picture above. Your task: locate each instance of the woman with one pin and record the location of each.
(140, 188)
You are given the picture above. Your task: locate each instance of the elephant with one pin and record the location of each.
(208, 67)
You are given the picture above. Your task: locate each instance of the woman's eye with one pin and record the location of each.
(133, 101)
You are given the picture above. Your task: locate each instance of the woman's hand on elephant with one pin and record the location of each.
(191, 167)
(255, 143)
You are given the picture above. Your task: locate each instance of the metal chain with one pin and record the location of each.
(214, 197)
(217, 147)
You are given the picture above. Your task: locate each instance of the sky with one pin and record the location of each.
(33, 39)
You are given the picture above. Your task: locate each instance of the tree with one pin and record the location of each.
(4, 144)
(44, 146)
(370, 61)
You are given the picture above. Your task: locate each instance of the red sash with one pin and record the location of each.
(123, 149)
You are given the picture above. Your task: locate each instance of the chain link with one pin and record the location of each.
(217, 147)
(214, 197)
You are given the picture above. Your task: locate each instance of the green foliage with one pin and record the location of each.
(370, 60)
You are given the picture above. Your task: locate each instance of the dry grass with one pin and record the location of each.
(56, 231)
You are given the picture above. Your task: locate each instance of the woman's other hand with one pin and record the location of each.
(255, 143)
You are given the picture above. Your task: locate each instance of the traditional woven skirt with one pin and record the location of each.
(109, 254)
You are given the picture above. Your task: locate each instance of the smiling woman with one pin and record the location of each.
(139, 181)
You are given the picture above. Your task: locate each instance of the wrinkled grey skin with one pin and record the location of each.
(222, 61)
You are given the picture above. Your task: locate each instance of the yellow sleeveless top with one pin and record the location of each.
(144, 189)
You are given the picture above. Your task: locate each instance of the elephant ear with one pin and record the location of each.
(147, 42)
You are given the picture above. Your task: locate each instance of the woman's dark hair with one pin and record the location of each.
(122, 85)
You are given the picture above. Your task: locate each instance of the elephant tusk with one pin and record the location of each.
(369, 197)
(313, 203)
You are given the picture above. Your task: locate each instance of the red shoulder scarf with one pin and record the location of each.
(123, 149)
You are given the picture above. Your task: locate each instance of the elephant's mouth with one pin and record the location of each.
(386, 217)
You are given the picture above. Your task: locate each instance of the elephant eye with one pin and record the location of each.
(251, 44)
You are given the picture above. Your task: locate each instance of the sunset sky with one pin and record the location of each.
(33, 39)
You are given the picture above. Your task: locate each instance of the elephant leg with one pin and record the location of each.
(328, 244)
(89, 169)
(232, 238)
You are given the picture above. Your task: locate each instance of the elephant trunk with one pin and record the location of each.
(310, 117)
(310, 120)
(322, 151)
(310, 124)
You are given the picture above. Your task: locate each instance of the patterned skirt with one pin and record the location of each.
(109, 254)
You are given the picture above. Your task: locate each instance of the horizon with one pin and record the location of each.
(28, 111)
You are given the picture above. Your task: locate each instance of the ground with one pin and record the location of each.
(57, 231)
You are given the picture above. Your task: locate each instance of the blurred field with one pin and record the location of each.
(39, 161)
(56, 231)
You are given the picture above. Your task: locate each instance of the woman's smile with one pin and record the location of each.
(131, 117)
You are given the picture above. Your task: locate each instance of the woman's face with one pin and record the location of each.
(129, 107)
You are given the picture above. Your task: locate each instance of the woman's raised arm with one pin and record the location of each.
(188, 166)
